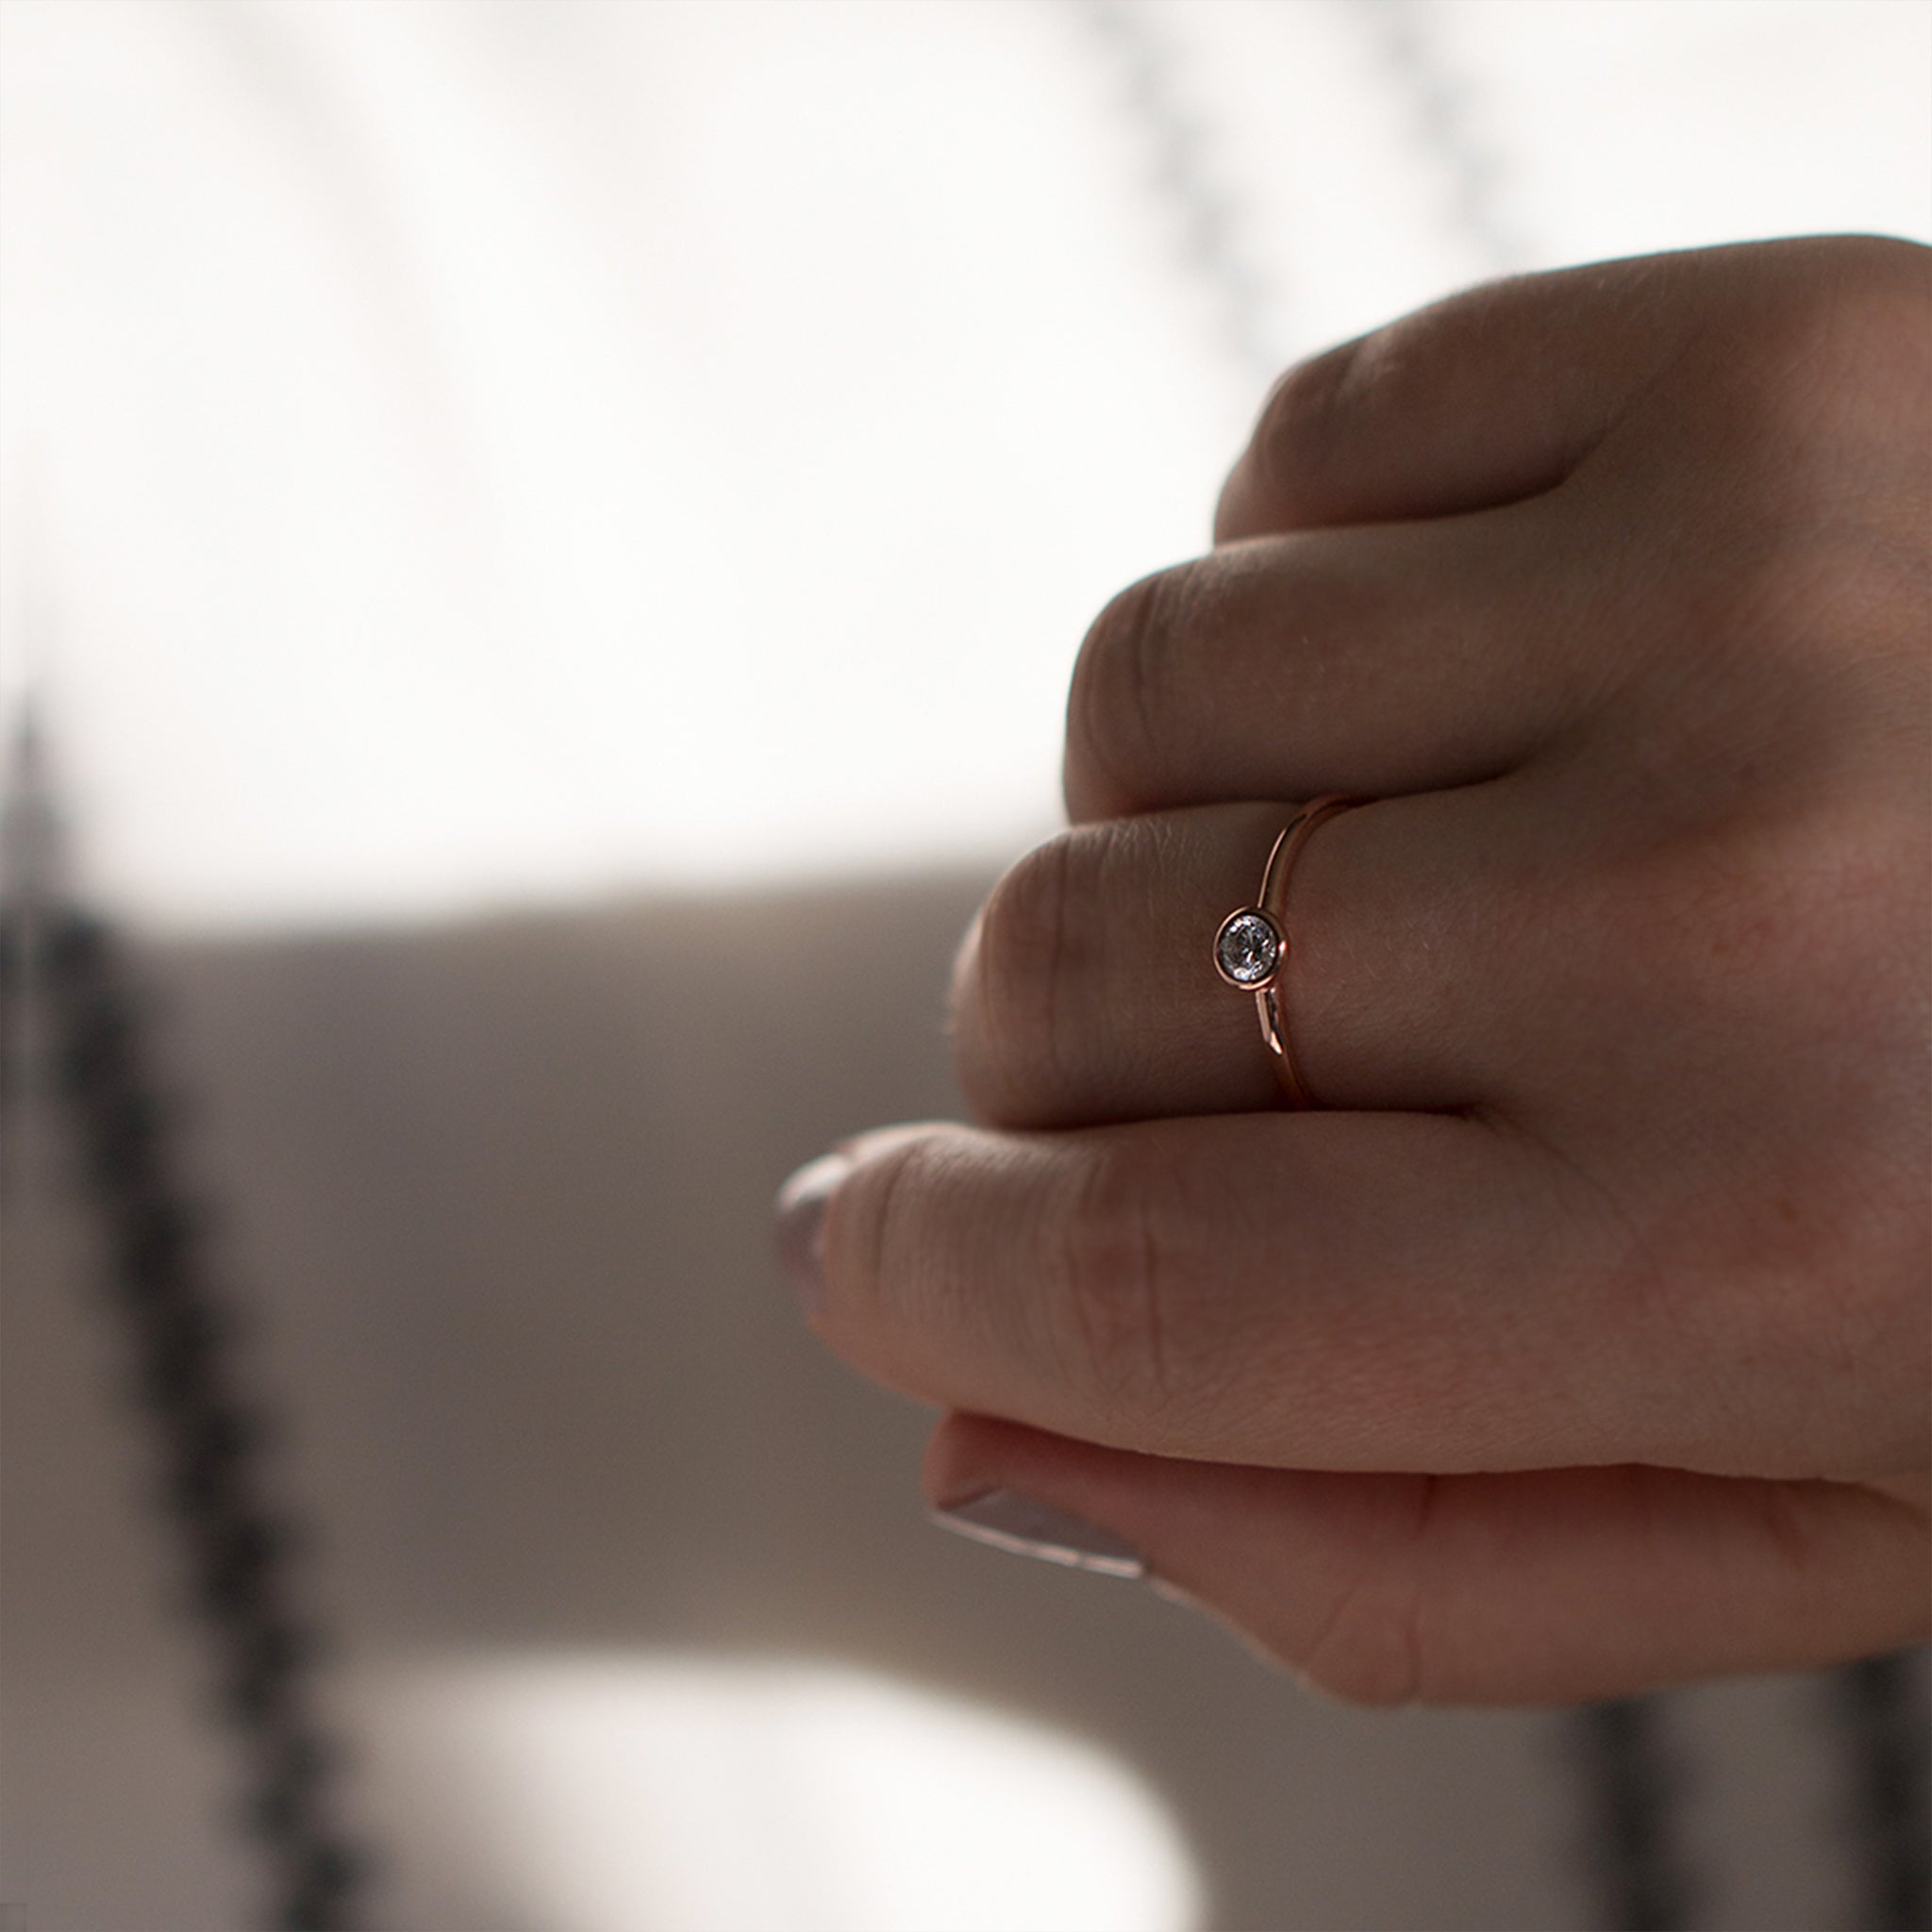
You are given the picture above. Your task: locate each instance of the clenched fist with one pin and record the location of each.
(1581, 1341)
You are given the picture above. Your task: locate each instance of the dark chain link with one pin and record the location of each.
(1406, 37)
(1880, 1705)
(1173, 138)
(1634, 1784)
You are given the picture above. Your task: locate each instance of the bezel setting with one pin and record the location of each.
(1249, 949)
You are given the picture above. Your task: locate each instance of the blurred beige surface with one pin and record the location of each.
(498, 1198)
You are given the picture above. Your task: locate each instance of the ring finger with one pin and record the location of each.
(1085, 992)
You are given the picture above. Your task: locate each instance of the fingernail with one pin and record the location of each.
(800, 1227)
(1010, 1520)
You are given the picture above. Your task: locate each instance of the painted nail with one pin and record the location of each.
(1010, 1520)
(800, 1227)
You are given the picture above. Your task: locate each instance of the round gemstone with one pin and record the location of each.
(1247, 949)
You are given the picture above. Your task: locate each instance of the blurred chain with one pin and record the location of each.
(1880, 1703)
(1634, 1785)
(1406, 37)
(72, 1001)
(1153, 101)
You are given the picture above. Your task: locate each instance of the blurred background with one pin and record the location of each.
(544, 542)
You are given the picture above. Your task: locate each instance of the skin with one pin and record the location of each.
(1581, 1343)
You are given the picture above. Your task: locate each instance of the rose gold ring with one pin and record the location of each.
(1251, 948)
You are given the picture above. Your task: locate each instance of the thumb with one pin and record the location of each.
(1544, 1587)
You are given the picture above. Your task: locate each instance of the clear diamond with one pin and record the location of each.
(1248, 948)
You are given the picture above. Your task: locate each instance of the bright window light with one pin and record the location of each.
(612, 1794)
(455, 456)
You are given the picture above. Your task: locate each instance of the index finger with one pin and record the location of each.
(1338, 1291)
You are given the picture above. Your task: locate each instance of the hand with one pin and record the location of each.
(1582, 1344)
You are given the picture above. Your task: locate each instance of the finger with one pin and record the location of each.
(1543, 1587)
(1366, 661)
(1338, 1291)
(1503, 391)
(1086, 990)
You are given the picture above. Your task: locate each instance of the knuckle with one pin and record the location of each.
(1141, 1322)
(1145, 719)
(877, 1246)
(1111, 1287)
(1789, 1527)
(1313, 421)
(1371, 1644)
(1307, 414)
(1315, 410)
(1010, 1008)
(1112, 739)
(1367, 1660)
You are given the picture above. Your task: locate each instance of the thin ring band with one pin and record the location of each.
(1264, 926)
